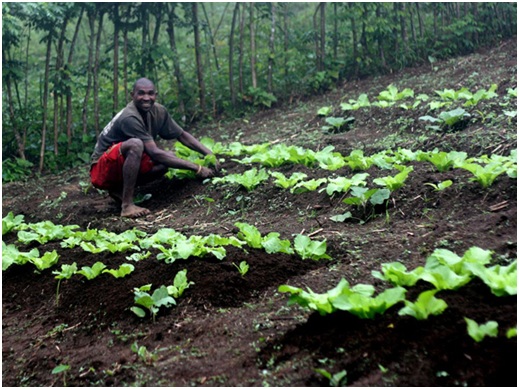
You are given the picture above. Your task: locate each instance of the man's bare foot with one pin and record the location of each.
(134, 211)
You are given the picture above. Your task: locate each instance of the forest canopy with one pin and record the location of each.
(67, 67)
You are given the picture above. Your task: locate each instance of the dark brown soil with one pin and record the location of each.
(229, 330)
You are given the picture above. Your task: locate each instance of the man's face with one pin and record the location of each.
(144, 96)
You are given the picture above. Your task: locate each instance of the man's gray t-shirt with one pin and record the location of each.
(129, 123)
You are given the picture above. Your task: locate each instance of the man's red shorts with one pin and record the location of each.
(107, 172)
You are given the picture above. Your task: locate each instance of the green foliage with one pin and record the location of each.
(249, 179)
(325, 111)
(44, 232)
(243, 268)
(92, 272)
(336, 380)
(394, 182)
(307, 186)
(16, 169)
(448, 119)
(337, 124)
(392, 94)
(479, 331)
(357, 161)
(152, 302)
(306, 248)
(353, 105)
(11, 222)
(485, 175)
(426, 304)
(358, 300)
(260, 97)
(343, 184)
(442, 160)
(180, 284)
(287, 182)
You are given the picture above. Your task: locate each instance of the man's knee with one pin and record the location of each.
(133, 145)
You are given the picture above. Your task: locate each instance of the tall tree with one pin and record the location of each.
(117, 27)
(96, 69)
(90, 67)
(176, 63)
(198, 57)
(67, 80)
(231, 54)
(272, 52)
(252, 29)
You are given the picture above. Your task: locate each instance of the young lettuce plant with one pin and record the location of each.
(306, 248)
(394, 182)
(485, 175)
(442, 160)
(479, 331)
(122, 271)
(357, 161)
(307, 186)
(92, 272)
(250, 179)
(336, 124)
(353, 105)
(426, 304)
(447, 119)
(343, 184)
(361, 197)
(152, 302)
(180, 284)
(283, 182)
(11, 222)
(243, 268)
(66, 272)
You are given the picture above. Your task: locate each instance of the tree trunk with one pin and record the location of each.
(231, 54)
(155, 41)
(117, 23)
(420, 20)
(96, 72)
(354, 40)
(271, 45)
(201, 85)
(252, 47)
(68, 114)
(240, 58)
(58, 72)
(17, 134)
(144, 39)
(285, 45)
(176, 62)
(316, 40)
(380, 42)
(323, 35)
(45, 101)
(335, 32)
(403, 28)
(91, 23)
(211, 38)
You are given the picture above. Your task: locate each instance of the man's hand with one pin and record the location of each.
(205, 172)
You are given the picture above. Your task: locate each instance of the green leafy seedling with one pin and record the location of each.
(440, 186)
(308, 248)
(152, 302)
(122, 271)
(92, 272)
(425, 305)
(243, 268)
(325, 111)
(180, 284)
(66, 272)
(62, 369)
(479, 331)
(336, 380)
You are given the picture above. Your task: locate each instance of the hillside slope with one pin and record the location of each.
(229, 330)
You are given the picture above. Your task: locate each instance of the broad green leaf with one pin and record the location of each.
(308, 248)
(426, 304)
(479, 331)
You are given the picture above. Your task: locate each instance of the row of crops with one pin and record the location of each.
(444, 270)
(442, 102)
